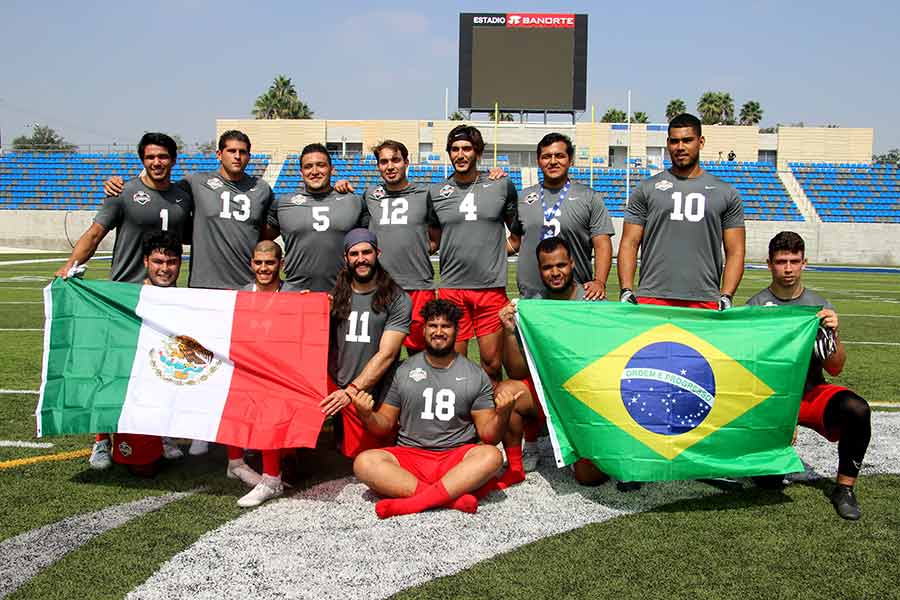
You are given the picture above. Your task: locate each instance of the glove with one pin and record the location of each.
(626, 295)
(76, 270)
(826, 344)
(725, 302)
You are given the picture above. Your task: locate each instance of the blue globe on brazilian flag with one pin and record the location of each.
(654, 393)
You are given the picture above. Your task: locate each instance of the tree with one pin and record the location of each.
(768, 129)
(179, 143)
(751, 113)
(504, 116)
(891, 157)
(614, 115)
(716, 108)
(457, 116)
(43, 138)
(281, 101)
(640, 117)
(674, 108)
(208, 147)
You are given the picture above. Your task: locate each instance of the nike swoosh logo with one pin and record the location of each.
(710, 187)
(461, 378)
(487, 185)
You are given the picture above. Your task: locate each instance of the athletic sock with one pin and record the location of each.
(530, 430)
(489, 486)
(466, 503)
(271, 463)
(515, 473)
(433, 495)
(101, 436)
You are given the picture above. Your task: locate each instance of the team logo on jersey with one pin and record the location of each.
(141, 197)
(125, 449)
(446, 191)
(664, 185)
(379, 193)
(182, 360)
(298, 199)
(531, 198)
(214, 183)
(418, 375)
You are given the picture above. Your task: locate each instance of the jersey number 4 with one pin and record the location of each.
(441, 405)
(468, 207)
(243, 210)
(394, 213)
(690, 207)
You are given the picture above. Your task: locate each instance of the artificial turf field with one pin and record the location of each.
(751, 544)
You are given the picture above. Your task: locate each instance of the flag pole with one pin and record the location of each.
(628, 152)
(593, 141)
(496, 122)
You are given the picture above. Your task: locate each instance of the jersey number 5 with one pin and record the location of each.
(691, 206)
(321, 221)
(441, 405)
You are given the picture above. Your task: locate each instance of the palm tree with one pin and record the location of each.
(281, 101)
(674, 108)
(751, 113)
(457, 116)
(614, 115)
(640, 117)
(716, 108)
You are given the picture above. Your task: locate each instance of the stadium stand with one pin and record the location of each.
(851, 192)
(611, 183)
(35, 180)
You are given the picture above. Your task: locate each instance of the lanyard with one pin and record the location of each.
(550, 215)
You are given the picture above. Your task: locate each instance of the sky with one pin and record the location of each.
(103, 72)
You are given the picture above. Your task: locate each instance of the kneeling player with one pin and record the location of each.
(833, 411)
(443, 403)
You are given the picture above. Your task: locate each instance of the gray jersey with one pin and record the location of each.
(401, 220)
(581, 217)
(228, 216)
(814, 376)
(138, 210)
(313, 228)
(683, 220)
(436, 404)
(579, 293)
(355, 340)
(473, 234)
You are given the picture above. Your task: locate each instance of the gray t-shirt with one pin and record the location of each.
(815, 375)
(400, 220)
(579, 293)
(138, 210)
(355, 340)
(228, 216)
(473, 232)
(436, 404)
(683, 220)
(582, 216)
(313, 228)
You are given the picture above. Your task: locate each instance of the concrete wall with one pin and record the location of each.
(722, 139)
(824, 144)
(278, 137)
(847, 243)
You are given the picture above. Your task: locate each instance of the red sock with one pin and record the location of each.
(516, 472)
(101, 436)
(530, 429)
(271, 463)
(489, 486)
(433, 495)
(235, 453)
(466, 503)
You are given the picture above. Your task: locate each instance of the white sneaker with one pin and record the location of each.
(198, 447)
(171, 451)
(100, 458)
(531, 456)
(269, 487)
(238, 469)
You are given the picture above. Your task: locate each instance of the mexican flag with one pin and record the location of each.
(241, 368)
(656, 393)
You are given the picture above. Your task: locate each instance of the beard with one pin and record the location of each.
(439, 352)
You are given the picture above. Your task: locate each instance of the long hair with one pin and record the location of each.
(386, 289)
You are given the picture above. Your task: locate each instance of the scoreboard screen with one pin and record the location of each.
(523, 61)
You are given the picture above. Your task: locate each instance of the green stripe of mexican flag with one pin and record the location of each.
(243, 368)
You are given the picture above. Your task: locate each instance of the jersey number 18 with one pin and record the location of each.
(441, 405)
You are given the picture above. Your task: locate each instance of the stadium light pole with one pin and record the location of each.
(628, 150)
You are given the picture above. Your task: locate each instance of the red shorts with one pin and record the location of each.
(812, 410)
(136, 448)
(357, 438)
(481, 310)
(428, 466)
(415, 340)
(529, 383)
(713, 304)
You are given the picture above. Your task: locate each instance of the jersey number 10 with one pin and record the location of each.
(691, 207)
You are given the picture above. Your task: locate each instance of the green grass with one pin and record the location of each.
(776, 544)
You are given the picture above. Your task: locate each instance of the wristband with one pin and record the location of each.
(355, 389)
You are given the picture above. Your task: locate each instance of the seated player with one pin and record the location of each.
(266, 263)
(556, 269)
(162, 262)
(835, 412)
(444, 404)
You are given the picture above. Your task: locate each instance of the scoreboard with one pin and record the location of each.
(533, 62)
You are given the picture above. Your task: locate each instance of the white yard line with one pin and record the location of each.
(17, 444)
(33, 392)
(21, 329)
(873, 343)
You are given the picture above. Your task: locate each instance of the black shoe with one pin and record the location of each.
(769, 482)
(844, 501)
(628, 486)
(723, 483)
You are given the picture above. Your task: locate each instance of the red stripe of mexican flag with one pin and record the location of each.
(240, 368)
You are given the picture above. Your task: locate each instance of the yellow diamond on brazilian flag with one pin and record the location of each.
(652, 393)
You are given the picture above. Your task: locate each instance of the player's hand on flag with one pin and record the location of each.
(725, 302)
(113, 186)
(344, 187)
(496, 173)
(364, 403)
(626, 295)
(508, 317)
(594, 290)
(335, 401)
(72, 269)
(828, 318)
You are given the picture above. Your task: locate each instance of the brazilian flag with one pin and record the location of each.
(654, 393)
